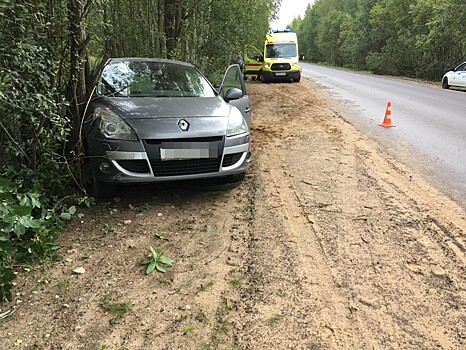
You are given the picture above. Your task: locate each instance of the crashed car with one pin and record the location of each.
(156, 120)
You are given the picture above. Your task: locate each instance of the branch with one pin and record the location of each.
(13, 140)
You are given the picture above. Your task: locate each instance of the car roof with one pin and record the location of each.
(142, 59)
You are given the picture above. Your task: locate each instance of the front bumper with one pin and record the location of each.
(123, 162)
(281, 75)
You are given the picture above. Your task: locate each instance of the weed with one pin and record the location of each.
(85, 255)
(116, 309)
(182, 226)
(157, 261)
(247, 213)
(222, 328)
(235, 282)
(204, 287)
(183, 318)
(63, 285)
(188, 330)
(228, 304)
(143, 207)
(276, 319)
(201, 317)
(109, 228)
(164, 280)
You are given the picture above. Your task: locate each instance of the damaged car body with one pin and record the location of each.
(155, 120)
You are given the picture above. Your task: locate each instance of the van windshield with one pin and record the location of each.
(280, 51)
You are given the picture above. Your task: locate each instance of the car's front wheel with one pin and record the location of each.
(445, 83)
(297, 79)
(100, 189)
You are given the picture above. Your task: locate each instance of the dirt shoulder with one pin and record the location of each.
(328, 244)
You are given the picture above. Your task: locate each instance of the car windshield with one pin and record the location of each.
(152, 79)
(280, 50)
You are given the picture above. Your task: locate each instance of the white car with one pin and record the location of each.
(455, 77)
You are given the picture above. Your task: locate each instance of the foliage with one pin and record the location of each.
(117, 309)
(417, 38)
(157, 261)
(27, 231)
(51, 54)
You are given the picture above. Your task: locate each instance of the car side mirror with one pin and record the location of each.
(233, 94)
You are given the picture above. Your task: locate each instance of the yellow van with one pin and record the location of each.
(278, 60)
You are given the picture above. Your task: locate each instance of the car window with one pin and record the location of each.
(233, 79)
(152, 79)
(461, 67)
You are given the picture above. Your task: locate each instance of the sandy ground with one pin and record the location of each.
(328, 244)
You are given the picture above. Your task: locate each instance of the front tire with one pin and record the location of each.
(445, 83)
(102, 189)
(298, 79)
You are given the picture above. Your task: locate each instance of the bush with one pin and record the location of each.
(27, 231)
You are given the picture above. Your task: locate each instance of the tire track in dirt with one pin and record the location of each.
(378, 264)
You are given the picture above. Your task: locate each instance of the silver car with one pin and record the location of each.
(155, 120)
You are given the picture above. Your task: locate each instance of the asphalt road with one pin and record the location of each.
(430, 132)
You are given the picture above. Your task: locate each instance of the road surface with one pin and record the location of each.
(430, 132)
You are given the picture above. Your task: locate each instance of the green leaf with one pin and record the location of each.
(154, 253)
(22, 210)
(35, 203)
(159, 268)
(166, 261)
(19, 230)
(65, 216)
(28, 222)
(72, 210)
(151, 267)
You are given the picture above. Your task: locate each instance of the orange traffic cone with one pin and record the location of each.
(387, 121)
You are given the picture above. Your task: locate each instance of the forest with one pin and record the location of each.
(51, 53)
(414, 38)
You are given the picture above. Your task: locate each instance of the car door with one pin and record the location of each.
(461, 74)
(233, 79)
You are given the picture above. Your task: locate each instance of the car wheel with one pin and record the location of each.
(265, 79)
(445, 83)
(298, 79)
(102, 189)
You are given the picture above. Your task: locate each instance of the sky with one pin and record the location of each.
(288, 10)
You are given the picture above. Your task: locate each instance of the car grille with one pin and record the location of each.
(281, 66)
(135, 166)
(184, 167)
(231, 159)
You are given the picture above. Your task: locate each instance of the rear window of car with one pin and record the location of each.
(152, 79)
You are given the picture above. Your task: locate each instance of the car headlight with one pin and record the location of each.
(236, 123)
(294, 63)
(266, 64)
(113, 127)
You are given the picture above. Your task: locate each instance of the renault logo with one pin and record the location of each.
(183, 124)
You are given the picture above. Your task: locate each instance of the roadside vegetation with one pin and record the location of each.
(414, 38)
(51, 54)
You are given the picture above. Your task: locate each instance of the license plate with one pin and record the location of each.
(280, 74)
(188, 150)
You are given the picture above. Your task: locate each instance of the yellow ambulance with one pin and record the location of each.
(279, 59)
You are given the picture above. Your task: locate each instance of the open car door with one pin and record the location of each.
(233, 91)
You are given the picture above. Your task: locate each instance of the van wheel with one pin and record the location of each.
(445, 83)
(298, 79)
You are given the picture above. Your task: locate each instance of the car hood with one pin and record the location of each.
(158, 118)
